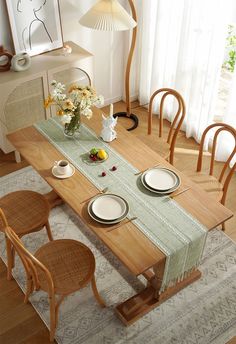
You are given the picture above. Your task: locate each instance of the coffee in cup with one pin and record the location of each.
(63, 166)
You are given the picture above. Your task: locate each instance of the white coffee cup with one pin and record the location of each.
(63, 166)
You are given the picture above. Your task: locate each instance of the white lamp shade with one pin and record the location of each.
(108, 15)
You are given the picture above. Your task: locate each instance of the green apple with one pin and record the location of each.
(94, 151)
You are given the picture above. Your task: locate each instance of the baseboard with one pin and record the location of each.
(113, 100)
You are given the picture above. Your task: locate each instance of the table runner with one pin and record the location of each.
(174, 231)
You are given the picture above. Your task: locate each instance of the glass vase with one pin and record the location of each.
(72, 129)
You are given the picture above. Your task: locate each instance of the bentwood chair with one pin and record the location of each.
(217, 187)
(60, 267)
(26, 212)
(165, 147)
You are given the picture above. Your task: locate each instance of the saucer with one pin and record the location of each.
(63, 176)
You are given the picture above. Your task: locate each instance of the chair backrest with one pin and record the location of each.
(224, 177)
(32, 265)
(3, 221)
(179, 116)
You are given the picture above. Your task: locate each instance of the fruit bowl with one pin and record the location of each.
(97, 155)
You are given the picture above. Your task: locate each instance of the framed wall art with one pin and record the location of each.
(35, 25)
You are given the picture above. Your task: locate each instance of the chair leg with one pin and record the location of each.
(223, 226)
(96, 294)
(10, 258)
(171, 158)
(57, 308)
(29, 289)
(50, 237)
(52, 318)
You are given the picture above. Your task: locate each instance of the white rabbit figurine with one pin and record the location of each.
(108, 133)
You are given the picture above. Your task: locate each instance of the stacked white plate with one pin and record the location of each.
(160, 180)
(108, 208)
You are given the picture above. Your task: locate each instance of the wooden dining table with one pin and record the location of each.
(127, 242)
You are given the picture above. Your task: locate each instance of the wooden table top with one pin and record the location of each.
(128, 243)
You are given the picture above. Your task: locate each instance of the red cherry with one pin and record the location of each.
(104, 174)
(114, 168)
(94, 158)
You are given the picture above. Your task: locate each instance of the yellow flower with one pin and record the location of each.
(85, 93)
(48, 101)
(68, 104)
(60, 113)
(72, 88)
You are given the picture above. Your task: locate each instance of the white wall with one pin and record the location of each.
(108, 48)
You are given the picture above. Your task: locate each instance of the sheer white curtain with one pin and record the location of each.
(226, 142)
(181, 46)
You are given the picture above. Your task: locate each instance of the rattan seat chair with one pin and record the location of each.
(26, 212)
(164, 147)
(60, 268)
(216, 187)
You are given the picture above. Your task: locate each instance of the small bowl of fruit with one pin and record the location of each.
(98, 155)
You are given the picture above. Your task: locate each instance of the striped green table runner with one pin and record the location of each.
(175, 232)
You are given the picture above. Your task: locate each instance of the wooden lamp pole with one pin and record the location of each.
(128, 113)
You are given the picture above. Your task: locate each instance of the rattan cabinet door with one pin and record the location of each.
(22, 106)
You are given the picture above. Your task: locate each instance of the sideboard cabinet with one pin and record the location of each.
(22, 94)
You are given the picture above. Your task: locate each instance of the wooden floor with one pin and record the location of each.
(19, 323)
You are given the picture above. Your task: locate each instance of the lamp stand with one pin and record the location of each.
(128, 113)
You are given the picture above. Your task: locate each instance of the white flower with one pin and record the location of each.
(87, 113)
(57, 95)
(60, 87)
(61, 97)
(100, 100)
(65, 119)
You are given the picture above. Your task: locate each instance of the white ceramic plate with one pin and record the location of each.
(63, 176)
(109, 207)
(165, 192)
(160, 179)
(94, 217)
(160, 192)
(107, 222)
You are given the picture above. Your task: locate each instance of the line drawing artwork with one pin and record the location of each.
(32, 10)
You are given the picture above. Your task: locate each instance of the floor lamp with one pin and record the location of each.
(109, 15)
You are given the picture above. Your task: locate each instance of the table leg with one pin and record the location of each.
(53, 199)
(134, 308)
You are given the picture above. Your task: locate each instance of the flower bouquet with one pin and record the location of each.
(71, 107)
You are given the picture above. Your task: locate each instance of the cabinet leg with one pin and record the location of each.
(17, 157)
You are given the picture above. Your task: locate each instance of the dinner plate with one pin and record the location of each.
(160, 192)
(107, 222)
(164, 192)
(63, 176)
(94, 217)
(160, 179)
(109, 207)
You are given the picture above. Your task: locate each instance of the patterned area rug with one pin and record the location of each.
(204, 312)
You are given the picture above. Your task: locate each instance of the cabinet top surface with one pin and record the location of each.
(50, 60)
